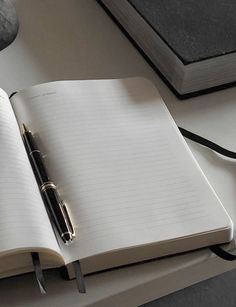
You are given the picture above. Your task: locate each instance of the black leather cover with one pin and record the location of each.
(180, 96)
(194, 30)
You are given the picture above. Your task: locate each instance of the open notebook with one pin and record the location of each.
(133, 187)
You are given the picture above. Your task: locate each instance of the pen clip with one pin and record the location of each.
(67, 218)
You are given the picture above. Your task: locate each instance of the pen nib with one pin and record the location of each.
(25, 129)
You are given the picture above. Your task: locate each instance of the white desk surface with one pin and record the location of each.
(75, 39)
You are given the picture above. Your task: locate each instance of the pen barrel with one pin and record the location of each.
(58, 213)
(29, 141)
(35, 158)
(38, 167)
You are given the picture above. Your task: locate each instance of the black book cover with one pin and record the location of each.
(194, 30)
(220, 47)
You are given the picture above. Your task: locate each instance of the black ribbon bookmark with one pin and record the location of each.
(38, 272)
(79, 277)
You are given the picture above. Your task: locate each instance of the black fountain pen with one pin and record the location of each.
(55, 206)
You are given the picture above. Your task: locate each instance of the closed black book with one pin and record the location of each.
(191, 43)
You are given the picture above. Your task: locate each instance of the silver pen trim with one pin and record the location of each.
(47, 185)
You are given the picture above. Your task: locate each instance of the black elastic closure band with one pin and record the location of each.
(220, 252)
(199, 139)
(216, 249)
(38, 272)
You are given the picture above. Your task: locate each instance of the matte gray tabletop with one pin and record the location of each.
(219, 291)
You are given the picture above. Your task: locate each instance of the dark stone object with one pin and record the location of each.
(9, 24)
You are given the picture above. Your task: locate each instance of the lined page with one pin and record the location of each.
(120, 163)
(24, 222)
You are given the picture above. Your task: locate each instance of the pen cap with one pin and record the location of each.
(58, 213)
